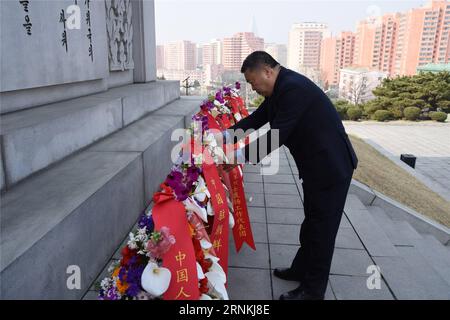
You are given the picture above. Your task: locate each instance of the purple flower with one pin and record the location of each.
(110, 294)
(134, 279)
(203, 119)
(219, 97)
(237, 85)
(182, 182)
(146, 221)
(207, 105)
(227, 90)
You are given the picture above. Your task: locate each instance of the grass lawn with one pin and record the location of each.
(383, 175)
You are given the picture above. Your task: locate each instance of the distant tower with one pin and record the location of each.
(253, 27)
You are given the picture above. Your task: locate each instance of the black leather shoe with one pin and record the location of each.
(299, 294)
(285, 274)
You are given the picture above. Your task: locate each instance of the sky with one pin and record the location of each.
(202, 20)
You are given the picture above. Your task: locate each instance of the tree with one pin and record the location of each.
(358, 90)
(427, 91)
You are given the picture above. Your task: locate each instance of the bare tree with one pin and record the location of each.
(358, 90)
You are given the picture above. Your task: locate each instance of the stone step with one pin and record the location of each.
(78, 211)
(401, 278)
(399, 232)
(435, 254)
(369, 231)
(425, 275)
(35, 138)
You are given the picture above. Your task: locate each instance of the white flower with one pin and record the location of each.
(191, 205)
(155, 280)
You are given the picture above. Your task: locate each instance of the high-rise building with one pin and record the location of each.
(180, 55)
(424, 37)
(199, 51)
(376, 42)
(304, 43)
(277, 51)
(212, 52)
(238, 47)
(397, 43)
(336, 52)
(159, 57)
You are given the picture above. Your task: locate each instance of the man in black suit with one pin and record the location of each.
(310, 127)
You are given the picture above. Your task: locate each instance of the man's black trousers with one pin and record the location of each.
(323, 211)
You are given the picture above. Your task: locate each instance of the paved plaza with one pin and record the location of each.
(429, 142)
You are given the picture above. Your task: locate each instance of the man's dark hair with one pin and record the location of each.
(258, 59)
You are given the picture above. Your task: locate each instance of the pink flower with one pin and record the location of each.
(160, 242)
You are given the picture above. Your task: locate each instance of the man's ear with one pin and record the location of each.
(268, 71)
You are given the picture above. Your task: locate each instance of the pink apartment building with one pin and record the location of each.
(336, 53)
(238, 47)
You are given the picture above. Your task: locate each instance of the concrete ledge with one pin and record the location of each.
(2, 170)
(140, 99)
(398, 211)
(171, 89)
(36, 138)
(363, 192)
(421, 223)
(74, 214)
(185, 106)
(150, 137)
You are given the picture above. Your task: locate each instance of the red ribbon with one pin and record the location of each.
(180, 259)
(242, 230)
(220, 231)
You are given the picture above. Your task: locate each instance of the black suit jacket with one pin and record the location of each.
(309, 126)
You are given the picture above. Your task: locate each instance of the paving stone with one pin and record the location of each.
(350, 262)
(400, 278)
(277, 188)
(435, 254)
(282, 162)
(252, 177)
(284, 234)
(344, 222)
(253, 187)
(348, 239)
(371, 234)
(257, 199)
(252, 169)
(435, 286)
(259, 232)
(283, 201)
(249, 258)
(257, 214)
(281, 170)
(355, 288)
(285, 216)
(279, 179)
(399, 232)
(281, 255)
(249, 284)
